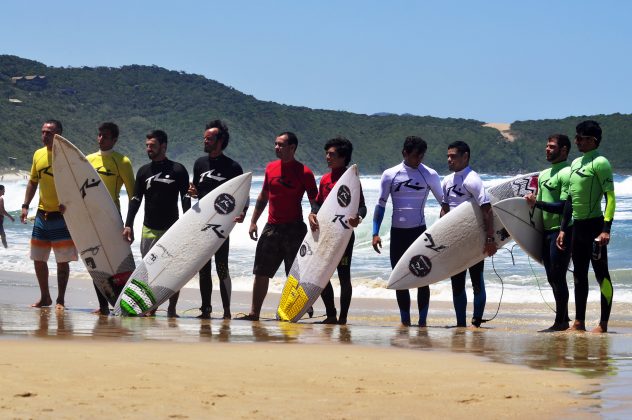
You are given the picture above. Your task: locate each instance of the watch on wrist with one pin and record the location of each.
(25, 206)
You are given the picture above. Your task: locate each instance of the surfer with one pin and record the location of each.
(458, 187)
(409, 183)
(590, 180)
(209, 172)
(3, 213)
(338, 155)
(552, 193)
(49, 229)
(115, 169)
(284, 183)
(160, 182)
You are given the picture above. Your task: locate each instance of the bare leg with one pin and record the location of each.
(259, 292)
(41, 272)
(63, 271)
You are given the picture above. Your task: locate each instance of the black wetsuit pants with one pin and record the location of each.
(401, 239)
(556, 263)
(584, 234)
(344, 276)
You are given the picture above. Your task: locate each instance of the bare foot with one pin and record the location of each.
(42, 303)
(101, 311)
(59, 307)
(578, 326)
(599, 330)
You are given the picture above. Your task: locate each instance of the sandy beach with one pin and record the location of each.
(72, 363)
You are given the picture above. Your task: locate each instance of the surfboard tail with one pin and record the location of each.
(294, 301)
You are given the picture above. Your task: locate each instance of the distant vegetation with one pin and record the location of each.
(141, 98)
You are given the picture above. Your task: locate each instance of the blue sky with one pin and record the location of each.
(495, 61)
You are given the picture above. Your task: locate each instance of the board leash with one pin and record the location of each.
(537, 280)
(502, 284)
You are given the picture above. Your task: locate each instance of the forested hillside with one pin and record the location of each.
(141, 98)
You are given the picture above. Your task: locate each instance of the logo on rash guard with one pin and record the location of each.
(282, 181)
(408, 184)
(455, 191)
(548, 186)
(209, 174)
(102, 170)
(158, 179)
(420, 265)
(225, 203)
(45, 171)
(344, 196)
(432, 244)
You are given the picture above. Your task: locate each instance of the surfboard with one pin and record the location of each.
(321, 251)
(92, 218)
(184, 249)
(523, 223)
(456, 241)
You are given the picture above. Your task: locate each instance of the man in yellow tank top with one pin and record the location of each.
(49, 230)
(115, 169)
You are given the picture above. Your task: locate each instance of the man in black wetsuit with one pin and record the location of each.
(209, 172)
(160, 182)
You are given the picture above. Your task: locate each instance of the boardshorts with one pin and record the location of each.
(278, 243)
(50, 231)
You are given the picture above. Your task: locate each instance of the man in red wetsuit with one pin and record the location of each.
(285, 182)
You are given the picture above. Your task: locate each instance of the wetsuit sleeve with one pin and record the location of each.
(196, 174)
(239, 171)
(137, 198)
(610, 206)
(567, 214)
(310, 183)
(184, 188)
(127, 174)
(319, 197)
(378, 216)
(385, 190)
(555, 208)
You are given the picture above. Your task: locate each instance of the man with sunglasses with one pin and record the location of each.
(286, 181)
(590, 181)
(209, 172)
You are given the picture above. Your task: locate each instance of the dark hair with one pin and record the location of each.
(222, 134)
(57, 123)
(461, 146)
(415, 143)
(343, 147)
(562, 141)
(589, 128)
(159, 135)
(1, 187)
(291, 137)
(111, 128)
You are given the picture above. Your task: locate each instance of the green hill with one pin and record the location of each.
(141, 98)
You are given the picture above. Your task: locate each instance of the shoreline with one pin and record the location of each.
(372, 366)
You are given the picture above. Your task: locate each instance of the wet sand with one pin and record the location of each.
(72, 362)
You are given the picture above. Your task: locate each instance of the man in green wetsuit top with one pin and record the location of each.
(590, 181)
(552, 193)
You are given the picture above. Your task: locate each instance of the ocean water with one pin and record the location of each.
(510, 273)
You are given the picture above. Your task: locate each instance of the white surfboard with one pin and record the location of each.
(321, 251)
(523, 223)
(184, 249)
(92, 218)
(455, 242)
